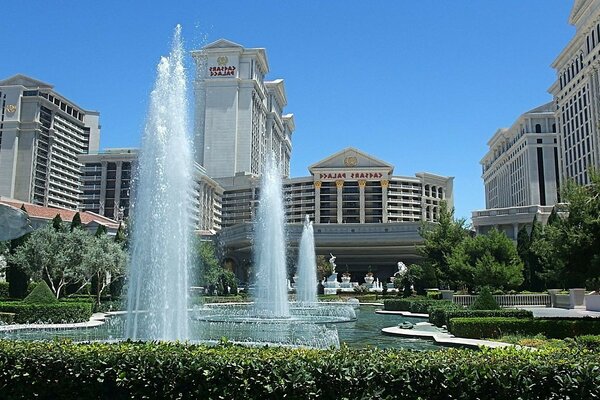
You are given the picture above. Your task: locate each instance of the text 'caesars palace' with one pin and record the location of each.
(363, 213)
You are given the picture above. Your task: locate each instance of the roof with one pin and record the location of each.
(360, 159)
(548, 107)
(48, 213)
(24, 80)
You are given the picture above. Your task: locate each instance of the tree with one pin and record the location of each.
(76, 222)
(104, 260)
(324, 268)
(570, 245)
(57, 223)
(487, 260)
(3, 255)
(439, 241)
(55, 256)
(100, 231)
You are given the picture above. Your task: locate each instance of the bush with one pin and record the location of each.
(6, 318)
(62, 370)
(485, 301)
(60, 312)
(416, 305)
(441, 316)
(434, 295)
(591, 342)
(477, 328)
(111, 305)
(41, 294)
(4, 294)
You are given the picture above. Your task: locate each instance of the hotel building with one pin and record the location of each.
(42, 134)
(520, 172)
(107, 188)
(363, 213)
(577, 94)
(239, 120)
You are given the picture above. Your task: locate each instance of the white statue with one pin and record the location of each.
(401, 269)
(332, 262)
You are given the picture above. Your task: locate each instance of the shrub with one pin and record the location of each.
(434, 295)
(441, 316)
(477, 328)
(485, 301)
(59, 370)
(6, 318)
(41, 294)
(4, 294)
(591, 342)
(60, 312)
(416, 305)
(437, 312)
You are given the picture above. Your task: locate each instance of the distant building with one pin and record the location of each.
(577, 94)
(239, 116)
(40, 216)
(41, 135)
(521, 173)
(363, 213)
(107, 188)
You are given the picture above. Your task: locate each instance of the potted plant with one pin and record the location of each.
(346, 277)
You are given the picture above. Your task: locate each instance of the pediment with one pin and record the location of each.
(578, 7)
(23, 80)
(351, 158)
(222, 44)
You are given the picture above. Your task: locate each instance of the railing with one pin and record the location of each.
(508, 300)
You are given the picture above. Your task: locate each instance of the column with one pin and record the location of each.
(317, 202)
(515, 231)
(340, 186)
(117, 213)
(102, 199)
(361, 190)
(384, 198)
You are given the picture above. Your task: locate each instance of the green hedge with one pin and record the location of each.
(55, 370)
(477, 328)
(442, 316)
(418, 306)
(61, 312)
(6, 318)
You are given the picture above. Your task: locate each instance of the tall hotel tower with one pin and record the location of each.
(41, 136)
(577, 94)
(239, 115)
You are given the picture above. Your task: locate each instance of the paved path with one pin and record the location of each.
(442, 338)
(97, 319)
(403, 313)
(549, 312)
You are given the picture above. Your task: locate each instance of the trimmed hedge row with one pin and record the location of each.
(418, 306)
(441, 316)
(54, 370)
(476, 328)
(60, 312)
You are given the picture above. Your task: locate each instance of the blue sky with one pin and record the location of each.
(420, 84)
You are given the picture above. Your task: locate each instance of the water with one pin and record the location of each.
(158, 274)
(362, 332)
(270, 295)
(306, 284)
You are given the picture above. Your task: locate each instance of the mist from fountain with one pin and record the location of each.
(161, 219)
(306, 285)
(270, 296)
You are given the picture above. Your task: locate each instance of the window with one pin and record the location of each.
(538, 128)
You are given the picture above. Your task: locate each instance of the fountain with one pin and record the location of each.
(270, 297)
(158, 275)
(306, 285)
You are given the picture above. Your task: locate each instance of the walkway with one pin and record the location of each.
(97, 319)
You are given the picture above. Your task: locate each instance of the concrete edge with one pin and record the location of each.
(403, 313)
(444, 338)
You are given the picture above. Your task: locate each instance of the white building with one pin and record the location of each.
(239, 116)
(41, 135)
(577, 94)
(107, 188)
(520, 172)
(362, 212)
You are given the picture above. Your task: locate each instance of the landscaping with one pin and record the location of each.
(53, 370)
